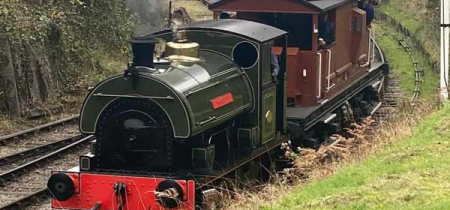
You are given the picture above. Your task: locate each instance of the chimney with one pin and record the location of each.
(143, 50)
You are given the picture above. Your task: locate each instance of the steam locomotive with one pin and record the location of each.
(199, 103)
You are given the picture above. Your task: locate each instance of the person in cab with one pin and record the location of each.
(367, 6)
(326, 32)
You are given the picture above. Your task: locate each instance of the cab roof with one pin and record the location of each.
(252, 30)
(318, 5)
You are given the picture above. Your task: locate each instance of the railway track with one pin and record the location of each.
(418, 72)
(391, 93)
(11, 162)
(390, 100)
(36, 141)
(27, 157)
(23, 134)
(25, 184)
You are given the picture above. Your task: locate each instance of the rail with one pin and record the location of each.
(418, 72)
(37, 194)
(25, 201)
(8, 175)
(8, 160)
(5, 139)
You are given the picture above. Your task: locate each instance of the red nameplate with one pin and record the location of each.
(222, 100)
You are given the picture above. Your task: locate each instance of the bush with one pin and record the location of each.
(53, 46)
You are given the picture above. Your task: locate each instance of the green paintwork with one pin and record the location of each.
(265, 63)
(147, 86)
(269, 106)
(224, 43)
(191, 86)
(203, 81)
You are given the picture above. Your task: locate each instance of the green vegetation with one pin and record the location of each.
(401, 64)
(421, 17)
(413, 173)
(57, 49)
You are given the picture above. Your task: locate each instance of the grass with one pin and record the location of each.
(409, 21)
(401, 64)
(413, 14)
(413, 173)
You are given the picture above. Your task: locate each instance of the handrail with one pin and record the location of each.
(320, 75)
(370, 46)
(368, 53)
(329, 69)
(382, 59)
(372, 38)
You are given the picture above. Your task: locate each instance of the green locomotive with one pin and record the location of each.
(202, 98)
(204, 108)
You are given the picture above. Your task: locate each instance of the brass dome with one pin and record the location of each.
(185, 51)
